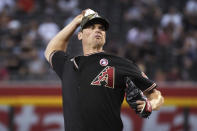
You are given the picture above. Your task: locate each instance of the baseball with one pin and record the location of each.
(89, 12)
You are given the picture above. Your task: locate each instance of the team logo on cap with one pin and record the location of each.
(103, 62)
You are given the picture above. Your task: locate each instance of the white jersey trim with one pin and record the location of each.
(150, 88)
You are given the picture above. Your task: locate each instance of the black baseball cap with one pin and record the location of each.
(94, 18)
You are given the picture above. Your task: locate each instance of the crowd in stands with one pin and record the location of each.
(159, 35)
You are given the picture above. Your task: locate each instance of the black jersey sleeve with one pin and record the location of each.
(139, 78)
(58, 60)
(144, 83)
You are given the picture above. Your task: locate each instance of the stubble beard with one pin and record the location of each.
(99, 43)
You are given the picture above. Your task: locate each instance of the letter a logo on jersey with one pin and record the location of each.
(105, 78)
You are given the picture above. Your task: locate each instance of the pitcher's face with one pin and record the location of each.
(94, 35)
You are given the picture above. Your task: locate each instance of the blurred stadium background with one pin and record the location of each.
(159, 35)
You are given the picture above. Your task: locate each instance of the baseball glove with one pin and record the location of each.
(132, 95)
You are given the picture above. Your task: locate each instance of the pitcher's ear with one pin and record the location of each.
(80, 35)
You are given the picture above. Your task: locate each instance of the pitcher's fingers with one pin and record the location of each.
(140, 107)
(139, 102)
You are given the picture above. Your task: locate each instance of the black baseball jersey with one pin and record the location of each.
(93, 89)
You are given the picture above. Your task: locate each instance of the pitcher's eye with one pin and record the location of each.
(102, 28)
(88, 26)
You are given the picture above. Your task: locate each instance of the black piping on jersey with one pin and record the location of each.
(50, 57)
(151, 87)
